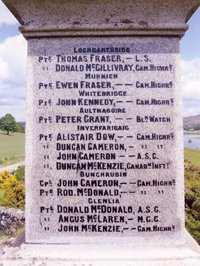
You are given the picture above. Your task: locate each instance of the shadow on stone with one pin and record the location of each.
(19, 240)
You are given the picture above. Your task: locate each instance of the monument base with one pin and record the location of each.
(95, 255)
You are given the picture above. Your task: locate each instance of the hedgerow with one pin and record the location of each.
(14, 190)
(192, 199)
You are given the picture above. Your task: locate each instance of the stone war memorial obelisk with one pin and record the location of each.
(104, 149)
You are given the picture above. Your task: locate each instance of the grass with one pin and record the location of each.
(11, 148)
(192, 156)
(1, 195)
(2, 235)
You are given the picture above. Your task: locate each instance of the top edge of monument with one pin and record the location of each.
(49, 18)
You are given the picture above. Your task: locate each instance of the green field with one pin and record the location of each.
(192, 156)
(12, 148)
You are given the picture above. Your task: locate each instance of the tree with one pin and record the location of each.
(7, 123)
(19, 128)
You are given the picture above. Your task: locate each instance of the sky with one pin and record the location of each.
(13, 53)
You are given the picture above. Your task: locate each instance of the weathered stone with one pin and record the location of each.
(145, 197)
(48, 18)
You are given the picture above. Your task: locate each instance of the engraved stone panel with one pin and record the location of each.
(104, 141)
